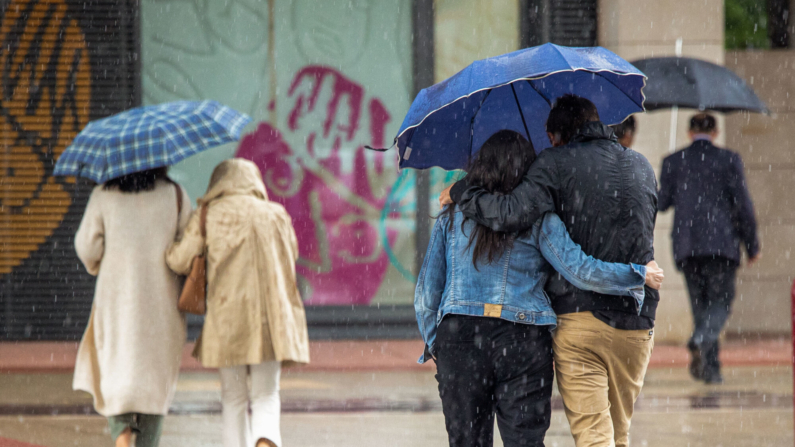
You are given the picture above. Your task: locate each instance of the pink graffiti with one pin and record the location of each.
(334, 210)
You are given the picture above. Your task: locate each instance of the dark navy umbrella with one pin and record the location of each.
(695, 84)
(448, 122)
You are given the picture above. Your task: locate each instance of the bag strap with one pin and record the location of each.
(203, 223)
(179, 203)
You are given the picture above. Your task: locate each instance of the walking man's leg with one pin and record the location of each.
(720, 277)
(583, 378)
(627, 360)
(699, 301)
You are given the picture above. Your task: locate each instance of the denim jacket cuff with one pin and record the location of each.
(639, 292)
(426, 355)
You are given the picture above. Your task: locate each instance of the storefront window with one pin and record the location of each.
(321, 80)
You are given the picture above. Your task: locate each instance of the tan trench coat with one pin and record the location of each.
(254, 310)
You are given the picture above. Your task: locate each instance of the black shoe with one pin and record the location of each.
(713, 378)
(696, 362)
(711, 364)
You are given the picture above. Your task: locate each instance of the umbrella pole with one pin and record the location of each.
(524, 123)
(674, 109)
(672, 132)
(472, 124)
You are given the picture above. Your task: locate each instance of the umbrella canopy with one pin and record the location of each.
(695, 84)
(149, 137)
(448, 122)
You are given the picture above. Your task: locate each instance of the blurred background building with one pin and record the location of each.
(324, 79)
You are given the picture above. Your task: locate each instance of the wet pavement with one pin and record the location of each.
(395, 406)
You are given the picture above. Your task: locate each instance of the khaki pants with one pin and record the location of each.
(600, 373)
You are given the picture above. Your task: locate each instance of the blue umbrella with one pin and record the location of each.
(448, 122)
(149, 137)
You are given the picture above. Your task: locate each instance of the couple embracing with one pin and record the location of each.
(535, 256)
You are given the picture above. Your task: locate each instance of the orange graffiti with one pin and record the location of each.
(46, 92)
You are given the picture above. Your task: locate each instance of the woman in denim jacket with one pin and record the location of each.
(483, 313)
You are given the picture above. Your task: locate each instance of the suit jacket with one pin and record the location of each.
(713, 210)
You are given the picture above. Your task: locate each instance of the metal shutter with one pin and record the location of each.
(563, 22)
(573, 22)
(63, 63)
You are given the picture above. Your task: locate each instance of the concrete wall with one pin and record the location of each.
(766, 145)
(637, 30)
(468, 30)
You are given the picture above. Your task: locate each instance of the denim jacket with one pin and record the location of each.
(512, 286)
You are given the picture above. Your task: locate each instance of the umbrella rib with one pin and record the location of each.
(529, 81)
(472, 123)
(521, 113)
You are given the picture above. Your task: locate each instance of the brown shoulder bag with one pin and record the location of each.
(193, 297)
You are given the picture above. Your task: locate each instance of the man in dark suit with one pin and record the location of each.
(713, 217)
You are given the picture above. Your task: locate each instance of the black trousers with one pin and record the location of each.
(711, 284)
(487, 366)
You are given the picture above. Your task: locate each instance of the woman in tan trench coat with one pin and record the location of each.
(255, 318)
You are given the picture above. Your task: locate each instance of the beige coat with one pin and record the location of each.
(254, 311)
(130, 354)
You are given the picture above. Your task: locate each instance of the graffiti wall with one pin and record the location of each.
(37, 80)
(321, 80)
(62, 64)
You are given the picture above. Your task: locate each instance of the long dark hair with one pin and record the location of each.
(499, 167)
(138, 181)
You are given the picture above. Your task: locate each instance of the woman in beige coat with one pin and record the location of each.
(130, 353)
(255, 318)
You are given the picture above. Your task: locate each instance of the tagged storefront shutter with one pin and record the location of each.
(63, 63)
(563, 22)
(573, 22)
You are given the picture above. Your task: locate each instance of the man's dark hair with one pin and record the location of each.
(703, 123)
(568, 115)
(628, 126)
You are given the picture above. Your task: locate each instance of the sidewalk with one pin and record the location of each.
(364, 393)
(402, 408)
(381, 375)
(379, 355)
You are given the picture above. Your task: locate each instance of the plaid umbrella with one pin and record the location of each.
(149, 137)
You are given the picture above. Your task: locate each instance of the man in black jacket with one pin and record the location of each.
(606, 195)
(714, 215)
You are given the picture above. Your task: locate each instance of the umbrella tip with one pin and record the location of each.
(381, 149)
(377, 149)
